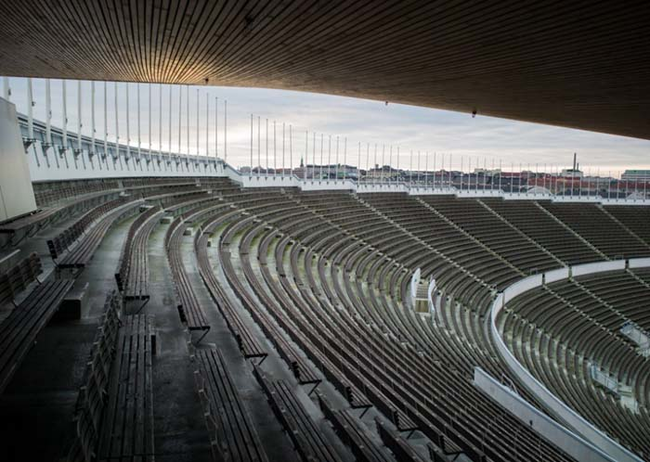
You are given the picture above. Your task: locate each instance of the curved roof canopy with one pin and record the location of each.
(575, 64)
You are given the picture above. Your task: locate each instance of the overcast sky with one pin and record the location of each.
(407, 127)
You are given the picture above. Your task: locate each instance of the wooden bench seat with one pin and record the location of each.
(352, 434)
(248, 344)
(18, 275)
(308, 440)
(398, 446)
(133, 275)
(127, 431)
(82, 248)
(93, 393)
(19, 330)
(233, 435)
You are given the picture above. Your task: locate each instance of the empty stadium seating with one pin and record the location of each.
(302, 305)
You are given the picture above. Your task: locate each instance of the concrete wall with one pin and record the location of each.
(16, 192)
(547, 428)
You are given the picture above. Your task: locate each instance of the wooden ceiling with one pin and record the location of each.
(581, 64)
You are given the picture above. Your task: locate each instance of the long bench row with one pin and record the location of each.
(297, 316)
(132, 277)
(114, 417)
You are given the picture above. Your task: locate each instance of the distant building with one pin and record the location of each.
(636, 175)
(571, 173)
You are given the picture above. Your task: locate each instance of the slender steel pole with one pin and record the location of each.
(426, 170)
(290, 152)
(390, 163)
(225, 131)
(259, 154)
(251, 164)
(65, 116)
(283, 157)
(30, 110)
(345, 157)
(320, 174)
(207, 126)
(399, 172)
(48, 110)
(180, 118)
(375, 164)
(198, 120)
(367, 162)
(267, 148)
(79, 116)
(336, 168)
(169, 147)
(329, 157)
(359, 163)
(313, 149)
(92, 115)
(381, 173)
(275, 151)
(128, 118)
(216, 127)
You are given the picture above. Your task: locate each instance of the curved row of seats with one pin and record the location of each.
(361, 349)
(132, 277)
(559, 330)
(326, 277)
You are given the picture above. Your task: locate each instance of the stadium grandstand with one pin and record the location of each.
(324, 301)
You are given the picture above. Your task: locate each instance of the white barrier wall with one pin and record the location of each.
(16, 193)
(550, 430)
(639, 262)
(556, 275)
(600, 267)
(554, 405)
